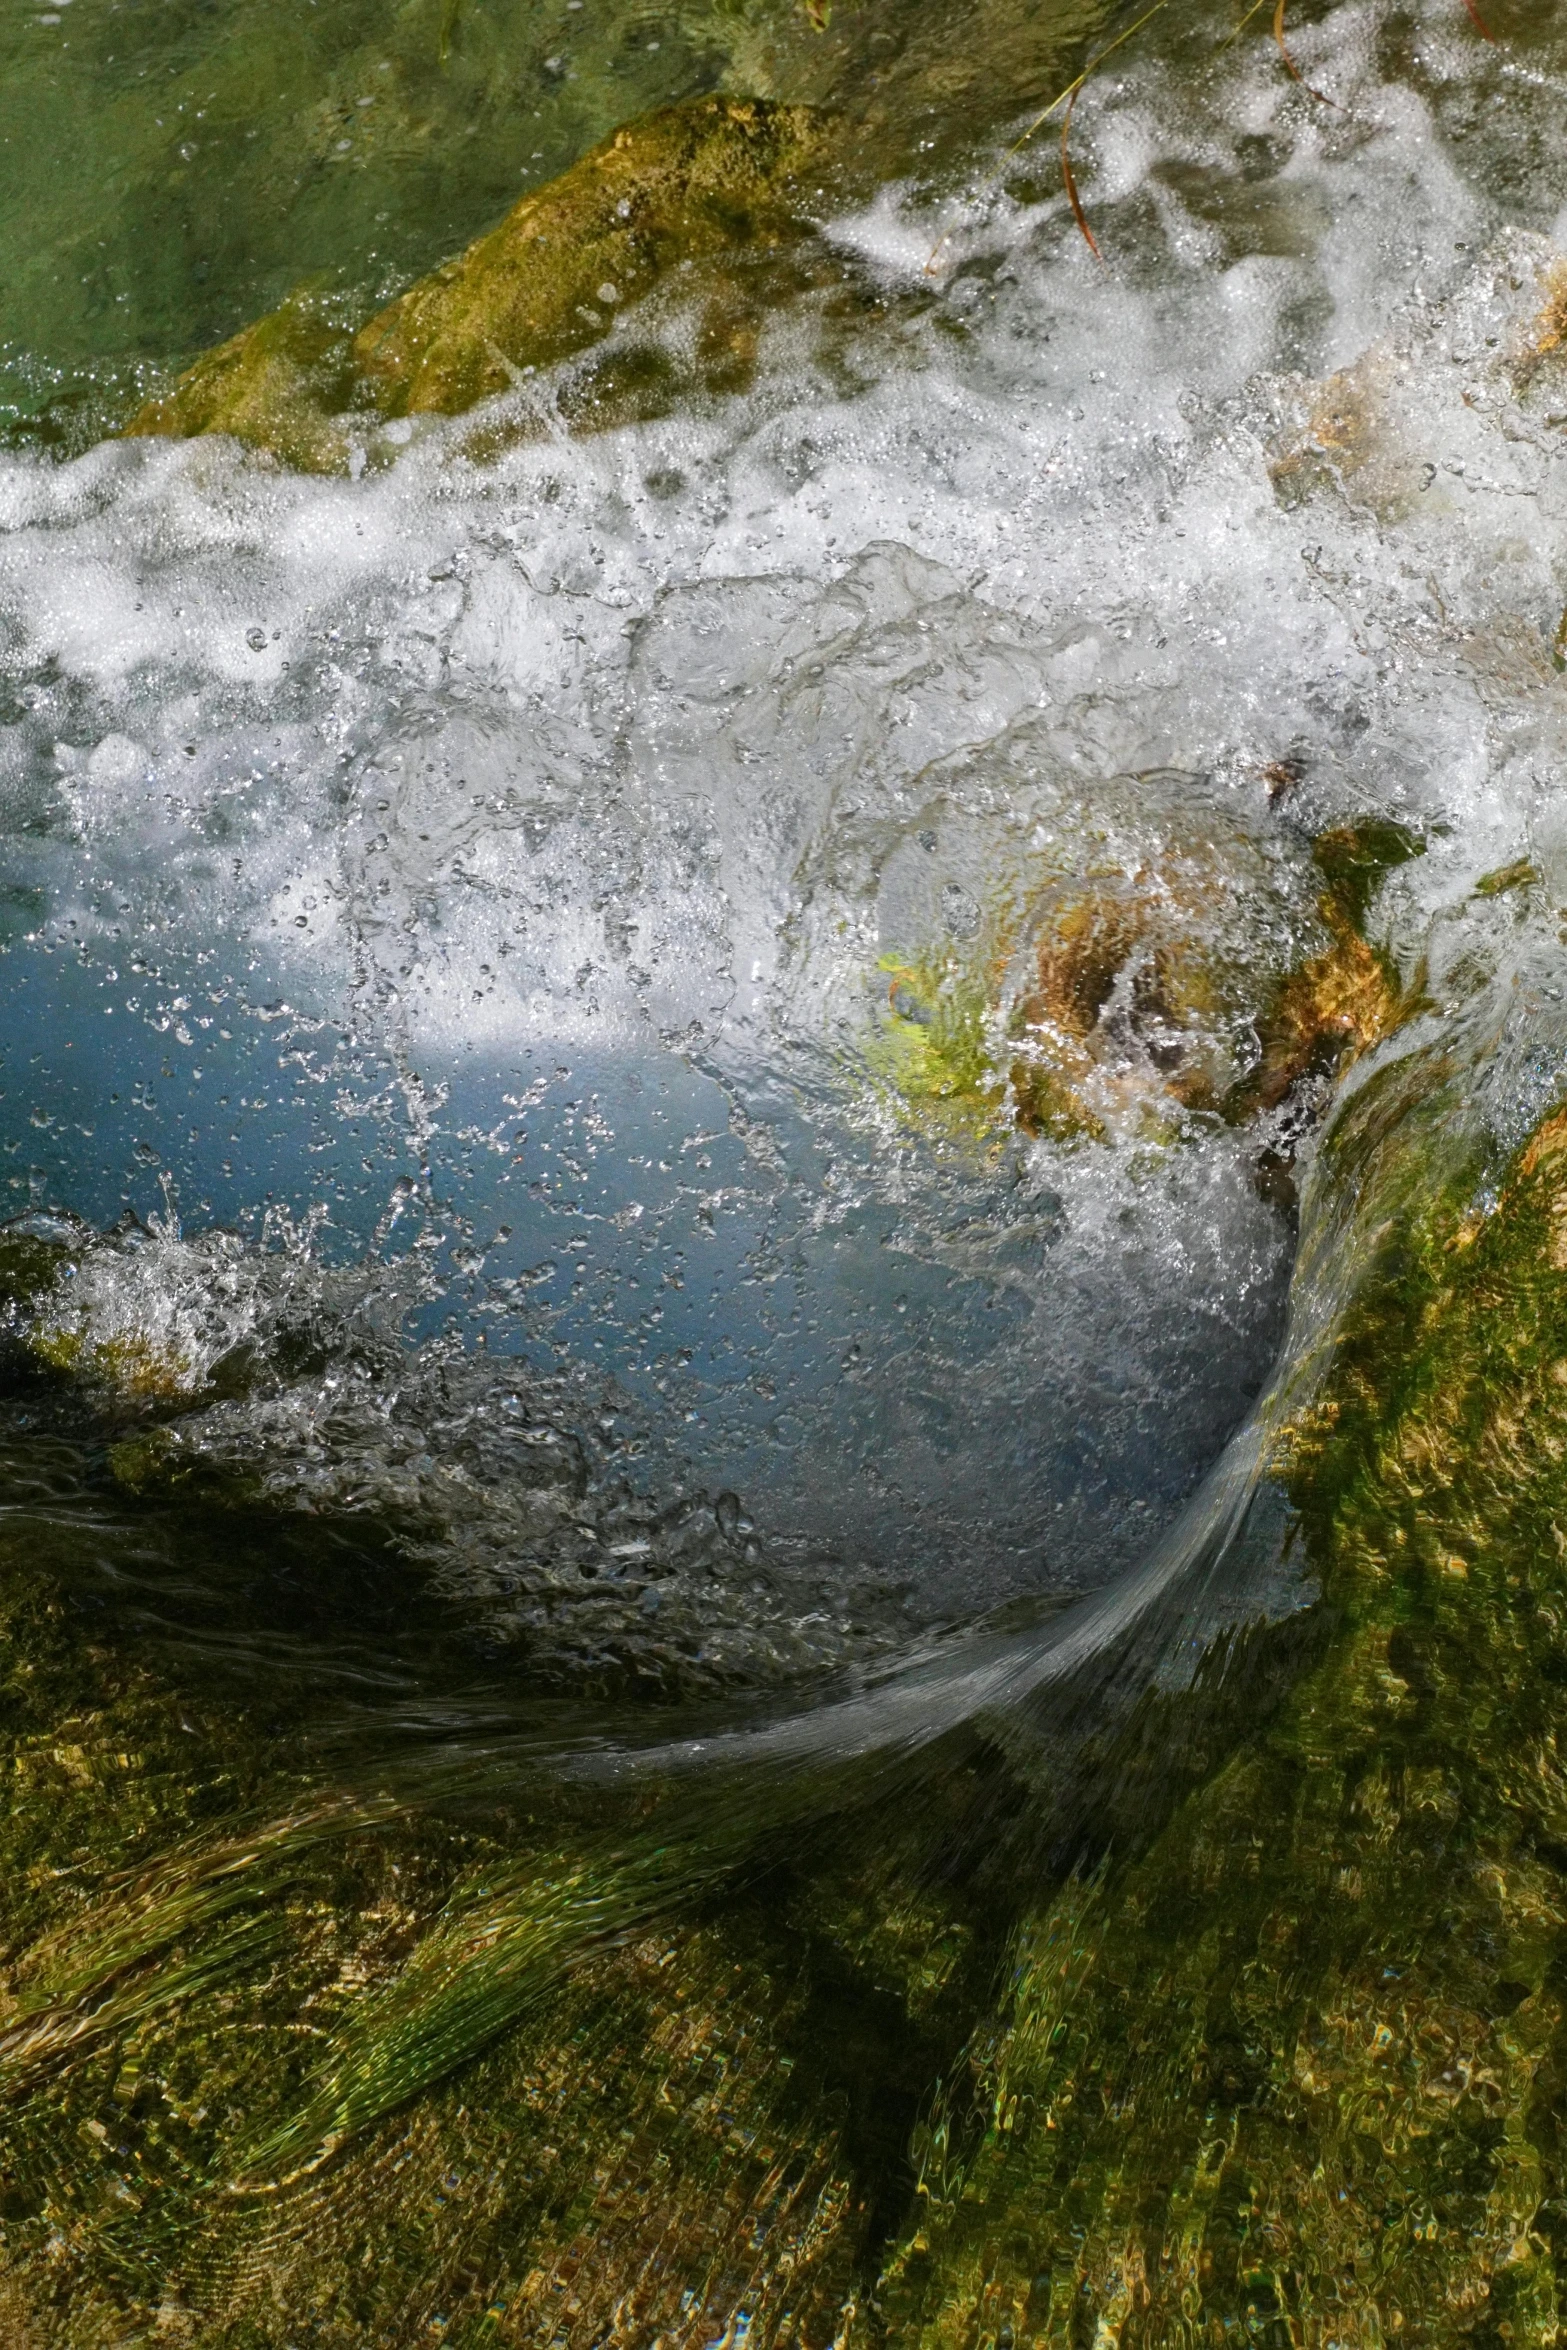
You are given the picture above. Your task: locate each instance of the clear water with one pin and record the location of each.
(472, 887)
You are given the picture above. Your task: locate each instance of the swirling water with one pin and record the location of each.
(475, 930)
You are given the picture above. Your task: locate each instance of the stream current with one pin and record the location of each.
(468, 927)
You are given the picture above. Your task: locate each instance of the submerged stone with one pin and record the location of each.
(714, 175)
(1181, 970)
(711, 176)
(1294, 2072)
(1385, 438)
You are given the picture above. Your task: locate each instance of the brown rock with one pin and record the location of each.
(707, 177)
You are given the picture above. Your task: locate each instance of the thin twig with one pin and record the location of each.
(1070, 178)
(1062, 98)
(1292, 69)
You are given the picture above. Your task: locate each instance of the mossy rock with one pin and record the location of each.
(1340, 1003)
(710, 177)
(680, 2134)
(277, 385)
(1130, 997)
(1294, 2070)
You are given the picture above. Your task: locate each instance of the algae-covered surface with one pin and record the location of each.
(174, 174)
(783, 1143)
(1266, 2037)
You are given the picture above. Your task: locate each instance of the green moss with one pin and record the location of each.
(714, 175)
(1293, 2071)
(518, 2057)
(1518, 875)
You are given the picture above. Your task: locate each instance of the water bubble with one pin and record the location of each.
(959, 910)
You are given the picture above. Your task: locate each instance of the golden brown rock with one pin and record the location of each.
(1145, 941)
(707, 177)
(276, 386)
(1345, 999)
(1337, 1006)
(1193, 975)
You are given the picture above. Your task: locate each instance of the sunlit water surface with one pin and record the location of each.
(453, 916)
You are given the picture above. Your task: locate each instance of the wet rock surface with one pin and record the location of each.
(714, 176)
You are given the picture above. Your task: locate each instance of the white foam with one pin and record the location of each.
(609, 747)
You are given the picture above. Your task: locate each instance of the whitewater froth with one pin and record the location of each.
(535, 834)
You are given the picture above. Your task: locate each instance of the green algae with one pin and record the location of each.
(1517, 875)
(1291, 2072)
(668, 190)
(932, 1048)
(1355, 859)
(1001, 1029)
(276, 386)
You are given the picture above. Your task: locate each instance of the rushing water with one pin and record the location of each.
(487, 878)
(553, 1170)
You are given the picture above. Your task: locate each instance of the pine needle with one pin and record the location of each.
(1293, 70)
(1256, 9)
(1066, 98)
(1070, 178)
